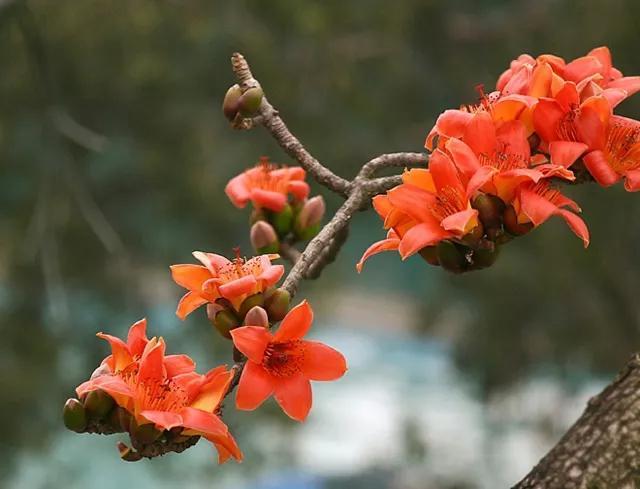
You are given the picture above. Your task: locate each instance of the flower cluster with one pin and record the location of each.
(165, 405)
(282, 211)
(496, 167)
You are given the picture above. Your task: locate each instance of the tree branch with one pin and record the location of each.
(600, 450)
(394, 160)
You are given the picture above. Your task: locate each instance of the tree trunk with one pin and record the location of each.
(602, 449)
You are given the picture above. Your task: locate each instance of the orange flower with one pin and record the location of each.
(537, 202)
(498, 160)
(428, 207)
(453, 123)
(535, 77)
(152, 391)
(267, 186)
(570, 123)
(620, 155)
(282, 364)
(219, 277)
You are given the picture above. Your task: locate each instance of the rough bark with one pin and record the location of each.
(602, 449)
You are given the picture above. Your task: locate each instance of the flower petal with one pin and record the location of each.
(238, 287)
(461, 222)
(412, 201)
(294, 396)
(599, 167)
(178, 365)
(189, 303)
(214, 390)
(237, 191)
(190, 276)
(252, 341)
(296, 323)
(418, 177)
(299, 189)
(321, 362)
(137, 337)
(391, 243)
(163, 420)
(274, 201)
(255, 386)
(565, 153)
(120, 351)
(421, 235)
(463, 156)
(152, 361)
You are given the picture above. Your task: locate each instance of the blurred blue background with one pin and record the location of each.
(113, 159)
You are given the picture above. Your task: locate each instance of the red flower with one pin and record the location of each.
(620, 155)
(167, 394)
(267, 186)
(282, 364)
(498, 160)
(428, 207)
(219, 277)
(570, 123)
(537, 202)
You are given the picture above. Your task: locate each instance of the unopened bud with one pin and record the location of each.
(430, 255)
(144, 433)
(282, 220)
(119, 419)
(490, 209)
(257, 316)
(249, 303)
(484, 257)
(231, 103)
(225, 321)
(512, 225)
(264, 238)
(308, 220)
(452, 257)
(277, 304)
(74, 415)
(250, 101)
(98, 404)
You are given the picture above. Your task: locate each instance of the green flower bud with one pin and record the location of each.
(119, 419)
(98, 404)
(307, 221)
(250, 302)
(282, 221)
(231, 102)
(430, 255)
(277, 304)
(512, 225)
(484, 257)
(225, 321)
(452, 257)
(74, 416)
(250, 101)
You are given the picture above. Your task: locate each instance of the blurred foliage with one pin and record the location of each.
(89, 229)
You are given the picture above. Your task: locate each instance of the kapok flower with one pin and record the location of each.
(155, 394)
(620, 155)
(267, 186)
(497, 160)
(570, 123)
(219, 277)
(428, 207)
(537, 202)
(453, 123)
(282, 364)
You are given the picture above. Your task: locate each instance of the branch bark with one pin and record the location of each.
(602, 449)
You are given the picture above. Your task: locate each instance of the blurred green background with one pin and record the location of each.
(113, 159)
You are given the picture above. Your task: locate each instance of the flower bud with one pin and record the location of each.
(231, 102)
(249, 303)
(225, 321)
(490, 209)
(144, 433)
(264, 238)
(250, 101)
(312, 212)
(277, 304)
(74, 415)
(257, 316)
(120, 419)
(430, 255)
(98, 404)
(452, 257)
(282, 220)
(484, 257)
(512, 225)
